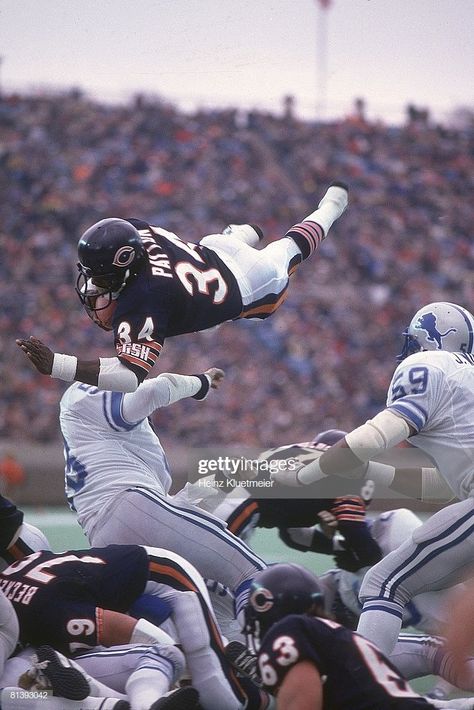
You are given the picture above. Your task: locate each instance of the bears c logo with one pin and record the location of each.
(262, 599)
(124, 256)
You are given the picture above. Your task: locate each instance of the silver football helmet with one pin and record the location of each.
(439, 326)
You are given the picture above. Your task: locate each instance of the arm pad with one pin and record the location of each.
(159, 392)
(382, 432)
(114, 376)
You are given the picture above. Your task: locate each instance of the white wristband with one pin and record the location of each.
(64, 367)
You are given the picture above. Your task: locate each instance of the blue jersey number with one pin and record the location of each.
(417, 382)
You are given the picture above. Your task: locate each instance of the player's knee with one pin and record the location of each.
(167, 658)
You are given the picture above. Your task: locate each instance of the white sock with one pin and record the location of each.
(380, 627)
(330, 208)
(146, 685)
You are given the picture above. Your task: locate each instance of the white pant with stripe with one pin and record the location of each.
(436, 555)
(141, 517)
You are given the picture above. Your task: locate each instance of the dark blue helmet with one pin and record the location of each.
(275, 592)
(329, 437)
(110, 253)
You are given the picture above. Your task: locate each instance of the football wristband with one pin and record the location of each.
(205, 386)
(64, 367)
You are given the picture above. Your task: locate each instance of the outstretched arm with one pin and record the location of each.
(166, 389)
(105, 373)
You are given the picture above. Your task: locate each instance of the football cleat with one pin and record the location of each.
(186, 698)
(53, 671)
(243, 661)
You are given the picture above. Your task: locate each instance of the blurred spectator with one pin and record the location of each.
(12, 473)
(323, 360)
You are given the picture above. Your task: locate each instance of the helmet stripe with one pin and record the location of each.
(469, 323)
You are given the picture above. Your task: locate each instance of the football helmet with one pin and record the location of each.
(275, 592)
(110, 253)
(439, 326)
(328, 437)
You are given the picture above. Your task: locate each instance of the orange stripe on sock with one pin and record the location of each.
(243, 517)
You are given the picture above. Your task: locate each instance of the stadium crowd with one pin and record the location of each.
(323, 360)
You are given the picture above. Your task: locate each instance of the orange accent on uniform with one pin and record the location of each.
(136, 361)
(171, 572)
(266, 309)
(15, 551)
(99, 624)
(243, 517)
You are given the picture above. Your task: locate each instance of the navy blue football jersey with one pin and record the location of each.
(58, 596)
(355, 674)
(185, 288)
(11, 520)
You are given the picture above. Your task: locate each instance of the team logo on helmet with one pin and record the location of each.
(262, 599)
(427, 322)
(124, 256)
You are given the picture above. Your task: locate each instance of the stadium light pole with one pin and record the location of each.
(322, 57)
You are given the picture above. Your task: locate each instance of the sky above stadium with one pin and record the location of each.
(247, 53)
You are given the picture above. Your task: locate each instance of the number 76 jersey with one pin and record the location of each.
(185, 288)
(354, 673)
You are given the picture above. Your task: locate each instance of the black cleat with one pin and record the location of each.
(243, 661)
(186, 698)
(65, 680)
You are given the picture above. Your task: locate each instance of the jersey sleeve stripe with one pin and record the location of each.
(136, 361)
(407, 413)
(116, 404)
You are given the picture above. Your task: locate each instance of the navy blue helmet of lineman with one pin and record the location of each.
(110, 252)
(439, 326)
(275, 592)
(329, 437)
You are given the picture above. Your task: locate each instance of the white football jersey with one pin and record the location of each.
(105, 453)
(434, 392)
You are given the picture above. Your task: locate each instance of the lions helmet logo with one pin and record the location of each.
(428, 323)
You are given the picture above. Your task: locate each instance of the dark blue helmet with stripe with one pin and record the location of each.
(275, 592)
(439, 326)
(110, 253)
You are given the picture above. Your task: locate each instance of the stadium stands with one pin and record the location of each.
(322, 360)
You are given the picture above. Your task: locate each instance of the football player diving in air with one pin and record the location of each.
(145, 284)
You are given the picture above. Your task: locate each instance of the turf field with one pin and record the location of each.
(63, 533)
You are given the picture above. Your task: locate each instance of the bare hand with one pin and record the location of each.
(216, 376)
(39, 354)
(327, 523)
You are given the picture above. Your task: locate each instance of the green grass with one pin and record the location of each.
(63, 532)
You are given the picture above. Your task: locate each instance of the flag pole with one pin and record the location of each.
(322, 58)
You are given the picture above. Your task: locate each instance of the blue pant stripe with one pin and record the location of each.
(423, 545)
(206, 523)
